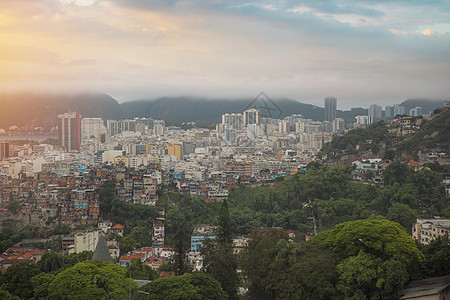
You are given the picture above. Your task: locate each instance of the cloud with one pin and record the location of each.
(430, 31)
(228, 47)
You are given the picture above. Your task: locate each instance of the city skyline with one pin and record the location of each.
(361, 53)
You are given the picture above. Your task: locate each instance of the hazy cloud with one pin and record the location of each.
(359, 51)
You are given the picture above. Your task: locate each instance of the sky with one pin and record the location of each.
(361, 52)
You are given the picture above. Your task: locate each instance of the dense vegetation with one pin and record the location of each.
(74, 276)
(327, 193)
(183, 212)
(366, 259)
(137, 218)
(189, 286)
(323, 192)
(368, 138)
(433, 135)
(9, 236)
(355, 259)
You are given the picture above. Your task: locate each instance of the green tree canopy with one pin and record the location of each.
(14, 206)
(396, 172)
(302, 272)
(50, 262)
(257, 258)
(382, 238)
(91, 280)
(185, 287)
(218, 258)
(437, 254)
(375, 257)
(17, 279)
(41, 284)
(180, 245)
(141, 271)
(402, 214)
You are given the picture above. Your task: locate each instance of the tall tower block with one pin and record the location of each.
(330, 108)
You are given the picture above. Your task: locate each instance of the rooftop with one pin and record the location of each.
(426, 287)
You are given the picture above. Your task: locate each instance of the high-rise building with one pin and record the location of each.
(69, 131)
(362, 120)
(313, 127)
(236, 121)
(283, 126)
(415, 112)
(92, 128)
(158, 127)
(399, 110)
(338, 125)
(231, 136)
(113, 128)
(175, 149)
(388, 112)
(330, 108)
(375, 113)
(300, 125)
(418, 111)
(327, 126)
(4, 150)
(251, 116)
(255, 131)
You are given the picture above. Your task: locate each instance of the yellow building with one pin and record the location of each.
(426, 230)
(174, 149)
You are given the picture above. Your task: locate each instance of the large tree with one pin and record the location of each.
(218, 258)
(180, 246)
(41, 284)
(397, 172)
(376, 256)
(302, 272)
(139, 270)
(256, 260)
(437, 254)
(402, 214)
(17, 279)
(91, 280)
(185, 287)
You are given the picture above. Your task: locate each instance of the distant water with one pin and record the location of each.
(37, 138)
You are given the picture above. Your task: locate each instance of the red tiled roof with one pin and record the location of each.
(118, 226)
(166, 274)
(414, 164)
(130, 257)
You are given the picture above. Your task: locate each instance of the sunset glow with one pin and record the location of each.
(133, 49)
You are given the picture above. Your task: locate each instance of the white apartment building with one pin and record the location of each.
(92, 128)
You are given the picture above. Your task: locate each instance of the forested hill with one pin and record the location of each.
(385, 140)
(185, 109)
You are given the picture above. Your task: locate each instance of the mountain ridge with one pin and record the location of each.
(184, 109)
(30, 110)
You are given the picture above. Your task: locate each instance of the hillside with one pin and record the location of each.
(385, 140)
(434, 135)
(31, 110)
